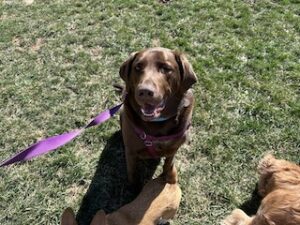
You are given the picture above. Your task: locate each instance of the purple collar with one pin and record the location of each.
(149, 139)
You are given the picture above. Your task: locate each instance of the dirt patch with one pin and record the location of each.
(38, 44)
(28, 2)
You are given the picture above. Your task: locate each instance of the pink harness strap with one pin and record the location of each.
(149, 139)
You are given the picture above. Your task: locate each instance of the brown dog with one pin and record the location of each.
(158, 106)
(157, 202)
(279, 184)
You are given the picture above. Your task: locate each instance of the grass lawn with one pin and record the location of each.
(59, 59)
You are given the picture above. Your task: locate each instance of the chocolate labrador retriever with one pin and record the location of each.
(157, 108)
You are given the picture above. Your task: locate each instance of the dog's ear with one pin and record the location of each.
(125, 68)
(99, 218)
(187, 74)
(68, 217)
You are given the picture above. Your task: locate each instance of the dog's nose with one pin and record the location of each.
(145, 92)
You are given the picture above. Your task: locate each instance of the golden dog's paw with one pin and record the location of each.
(265, 165)
(237, 217)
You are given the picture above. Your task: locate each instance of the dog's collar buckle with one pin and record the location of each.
(148, 139)
(148, 143)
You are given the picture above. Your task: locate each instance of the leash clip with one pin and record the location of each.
(147, 143)
(143, 136)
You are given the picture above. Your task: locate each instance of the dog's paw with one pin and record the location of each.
(237, 217)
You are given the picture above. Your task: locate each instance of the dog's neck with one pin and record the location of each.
(161, 119)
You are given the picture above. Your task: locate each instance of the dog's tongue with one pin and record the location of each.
(150, 110)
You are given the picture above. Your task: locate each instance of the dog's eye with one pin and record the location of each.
(138, 67)
(165, 69)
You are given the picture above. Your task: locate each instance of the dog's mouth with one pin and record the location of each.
(150, 111)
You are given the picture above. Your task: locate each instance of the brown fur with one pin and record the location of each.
(279, 184)
(168, 76)
(157, 201)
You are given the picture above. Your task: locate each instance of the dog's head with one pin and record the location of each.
(68, 218)
(277, 174)
(153, 76)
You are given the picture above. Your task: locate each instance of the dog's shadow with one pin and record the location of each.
(251, 206)
(109, 188)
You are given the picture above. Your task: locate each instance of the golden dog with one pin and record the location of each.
(157, 203)
(279, 184)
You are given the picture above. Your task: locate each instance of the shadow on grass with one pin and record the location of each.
(251, 206)
(109, 189)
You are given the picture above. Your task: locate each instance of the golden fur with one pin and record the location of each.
(279, 184)
(157, 202)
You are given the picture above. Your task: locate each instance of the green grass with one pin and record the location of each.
(59, 59)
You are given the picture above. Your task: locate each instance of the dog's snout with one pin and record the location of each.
(145, 92)
(148, 93)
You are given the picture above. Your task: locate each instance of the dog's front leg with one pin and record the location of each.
(131, 164)
(238, 217)
(129, 139)
(168, 166)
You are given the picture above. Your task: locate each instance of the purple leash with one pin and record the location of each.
(54, 142)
